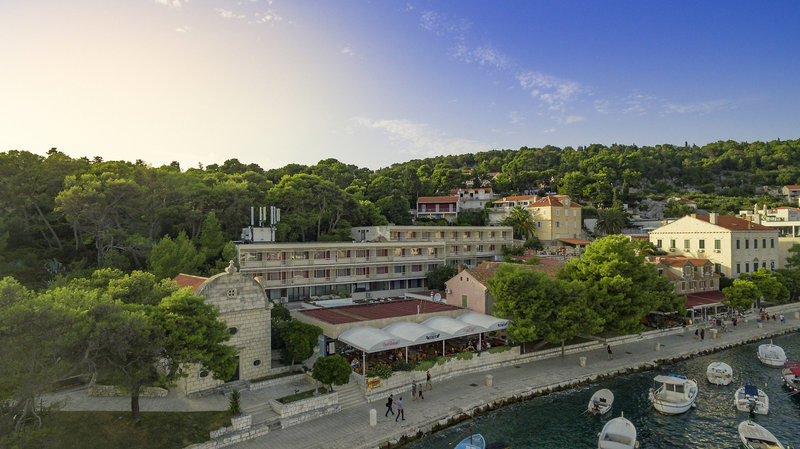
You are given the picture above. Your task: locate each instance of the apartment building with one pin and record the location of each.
(556, 217)
(791, 193)
(438, 207)
(687, 274)
(734, 245)
(380, 261)
(502, 207)
(473, 198)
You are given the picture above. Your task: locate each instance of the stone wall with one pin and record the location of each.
(277, 381)
(117, 391)
(306, 409)
(241, 429)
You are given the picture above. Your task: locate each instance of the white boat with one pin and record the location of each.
(791, 375)
(474, 441)
(771, 355)
(756, 437)
(751, 399)
(675, 394)
(719, 373)
(601, 402)
(619, 433)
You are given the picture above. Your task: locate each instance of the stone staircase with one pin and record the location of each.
(262, 413)
(350, 395)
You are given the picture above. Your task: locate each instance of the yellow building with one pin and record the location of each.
(732, 244)
(556, 217)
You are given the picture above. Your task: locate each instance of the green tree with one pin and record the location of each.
(770, 288)
(741, 295)
(170, 257)
(140, 287)
(300, 339)
(611, 221)
(622, 287)
(676, 209)
(521, 220)
(212, 240)
(437, 277)
(793, 261)
(332, 370)
(395, 208)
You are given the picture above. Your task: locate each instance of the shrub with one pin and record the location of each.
(441, 360)
(234, 406)
(382, 370)
(425, 366)
(403, 366)
(464, 356)
(496, 349)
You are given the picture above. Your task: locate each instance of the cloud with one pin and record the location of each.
(572, 119)
(484, 55)
(172, 3)
(224, 13)
(348, 51)
(183, 29)
(555, 92)
(444, 26)
(549, 130)
(701, 108)
(268, 16)
(420, 140)
(515, 117)
(642, 104)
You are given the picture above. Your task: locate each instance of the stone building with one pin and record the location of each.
(244, 308)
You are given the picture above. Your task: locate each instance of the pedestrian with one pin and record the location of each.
(697, 334)
(419, 390)
(428, 384)
(703, 334)
(735, 320)
(413, 391)
(610, 354)
(400, 409)
(389, 406)
(783, 319)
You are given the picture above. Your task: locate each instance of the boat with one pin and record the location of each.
(619, 433)
(751, 399)
(601, 402)
(719, 373)
(675, 395)
(756, 437)
(791, 375)
(771, 355)
(474, 441)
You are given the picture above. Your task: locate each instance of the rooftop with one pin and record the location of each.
(437, 199)
(735, 223)
(188, 280)
(367, 312)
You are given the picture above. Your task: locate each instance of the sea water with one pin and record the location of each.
(557, 420)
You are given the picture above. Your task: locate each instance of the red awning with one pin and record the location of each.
(703, 298)
(575, 241)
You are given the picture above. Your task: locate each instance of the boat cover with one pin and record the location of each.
(750, 390)
(671, 379)
(795, 371)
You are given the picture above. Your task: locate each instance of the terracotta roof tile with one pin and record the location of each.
(515, 198)
(486, 270)
(735, 223)
(368, 312)
(437, 199)
(188, 280)
(793, 187)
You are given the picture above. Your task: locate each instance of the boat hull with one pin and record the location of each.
(754, 436)
(719, 373)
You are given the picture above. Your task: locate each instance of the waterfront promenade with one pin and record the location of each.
(465, 394)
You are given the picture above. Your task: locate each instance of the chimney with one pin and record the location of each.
(460, 267)
(693, 215)
(713, 217)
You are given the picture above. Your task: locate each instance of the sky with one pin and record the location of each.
(375, 82)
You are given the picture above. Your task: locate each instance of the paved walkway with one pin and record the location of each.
(350, 428)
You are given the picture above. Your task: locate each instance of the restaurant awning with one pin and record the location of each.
(704, 299)
(415, 333)
(490, 323)
(453, 327)
(372, 339)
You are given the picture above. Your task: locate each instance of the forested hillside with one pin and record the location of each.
(70, 216)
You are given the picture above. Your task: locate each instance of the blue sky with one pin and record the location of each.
(376, 82)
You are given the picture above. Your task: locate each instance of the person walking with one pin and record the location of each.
(610, 354)
(428, 384)
(735, 320)
(697, 334)
(419, 389)
(389, 406)
(782, 318)
(400, 409)
(703, 334)
(413, 391)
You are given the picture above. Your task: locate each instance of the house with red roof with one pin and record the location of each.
(791, 192)
(502, 207)
(693, 278)
(734, 245)
(437, 207)
(557, 217)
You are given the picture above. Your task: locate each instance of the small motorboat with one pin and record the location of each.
(674, 394)
(719, 373)
(474, 441)
(601, 402)
(771, 355)
(619, 433)
(756, 437)
(751, 399)
(791, 375)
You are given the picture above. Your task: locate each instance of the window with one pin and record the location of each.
(737, 244)
(325, 254)
(686, 244)
(658, 243)
(717, 268)
(746, 244)
(558, 224)
(738, 269)
(416, 268)
(558, 213)
(399, 252)
(300, 274)
(755, 243)
(464, 301)
(362, 271)
(717, 244)
(574, 212)
(746, 268)
(755, 267)
(399, 269)
(701, 244)
(362, 253)
(342, 272)
(763, 265)
(256, 362)
(764, 243)
(672, 244)
(320, 274)
(538, 224)
(467, 234)
(416, 251)
(231, 292)
(233, 330)
(772, 243)
(381, 270)
(383, 252)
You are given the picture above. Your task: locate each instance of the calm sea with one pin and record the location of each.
(557, 420)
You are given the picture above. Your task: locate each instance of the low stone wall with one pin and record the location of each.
(306, 409)
(277, 381)
(401, 380)
(645, 335)
(108, 391)
(241, 429)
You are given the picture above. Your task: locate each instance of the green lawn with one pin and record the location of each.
(110, 430)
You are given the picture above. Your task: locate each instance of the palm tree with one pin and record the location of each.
(521, 220)
(611, 221)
